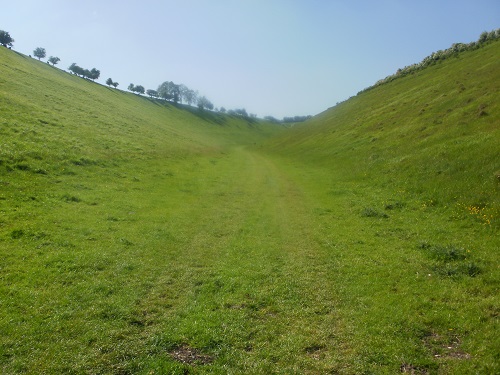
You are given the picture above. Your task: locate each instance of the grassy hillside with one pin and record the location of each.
(404, 181)
(434, 135)
(71, 118)
(138, 237)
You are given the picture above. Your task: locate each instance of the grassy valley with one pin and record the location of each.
(141, 237)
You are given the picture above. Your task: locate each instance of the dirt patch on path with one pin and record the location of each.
(191, 356)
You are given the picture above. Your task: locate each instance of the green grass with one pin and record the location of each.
(136, 235)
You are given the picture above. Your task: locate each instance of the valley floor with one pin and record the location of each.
(240, 262)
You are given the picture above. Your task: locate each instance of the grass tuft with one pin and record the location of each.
(449, 253)
(371, 212)
(17, 233)
(71, 198)
(451, 261)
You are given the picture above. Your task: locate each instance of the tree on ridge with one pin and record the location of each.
(203, 103)
(110, 82)
(75, 69)
(85, 73)
(5, 39)
(152, 93)
(53, 60)
(138, 89)
(190, 96)
(169, 91)
(94, 74)
(39, 52)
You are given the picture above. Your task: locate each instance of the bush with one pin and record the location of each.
(440, 55)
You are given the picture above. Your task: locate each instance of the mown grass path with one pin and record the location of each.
(257, 286)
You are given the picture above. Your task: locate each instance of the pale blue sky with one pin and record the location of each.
(271, 57)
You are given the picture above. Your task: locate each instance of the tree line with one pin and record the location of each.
(168, 90)
(92, 74)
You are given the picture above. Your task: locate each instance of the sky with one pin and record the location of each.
(271, 57)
